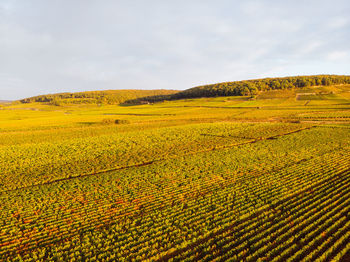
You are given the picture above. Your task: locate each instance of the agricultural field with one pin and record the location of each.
(234, 178)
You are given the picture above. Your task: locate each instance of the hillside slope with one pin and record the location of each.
(235, 88)
(97, 97)
(212, 178)
(253, 87)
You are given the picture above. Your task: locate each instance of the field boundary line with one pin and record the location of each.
(107, 223)
(251, 141)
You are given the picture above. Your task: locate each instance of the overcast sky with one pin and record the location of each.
(50, 46)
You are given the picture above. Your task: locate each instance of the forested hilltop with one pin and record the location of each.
(252, 87)
(235, 88)
(200, 179)
(97, 97)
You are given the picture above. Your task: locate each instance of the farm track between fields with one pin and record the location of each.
(85, 179)
(298, 107)
(251, 141)
(107, 222)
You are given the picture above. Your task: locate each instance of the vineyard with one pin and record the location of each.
(207, 179)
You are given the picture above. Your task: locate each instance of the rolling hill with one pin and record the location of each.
(250, 88)
(262, 177)
(253, 87)
(97, 97)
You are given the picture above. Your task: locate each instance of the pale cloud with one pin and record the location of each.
(60, 45)
(338, 22)
(338, 55)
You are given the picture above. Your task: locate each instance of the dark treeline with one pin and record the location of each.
(236, 88)
(251, 87)
(96, 97)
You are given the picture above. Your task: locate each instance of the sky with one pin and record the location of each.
(52, 46)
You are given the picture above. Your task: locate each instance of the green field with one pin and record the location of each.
(237, 178)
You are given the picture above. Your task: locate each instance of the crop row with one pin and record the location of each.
(101, 189)
(36, 163)
(198, 211)
(203, 195)
(281, 229)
